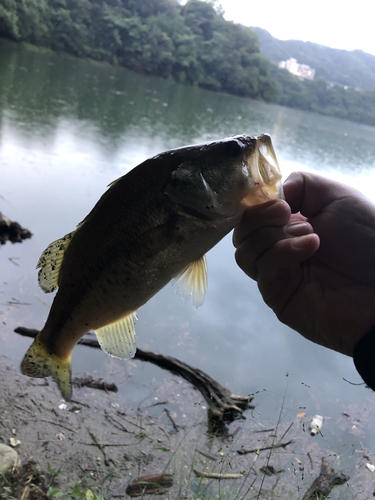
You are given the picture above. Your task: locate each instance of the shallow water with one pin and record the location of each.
(68, 128)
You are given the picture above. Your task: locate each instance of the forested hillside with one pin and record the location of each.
(352, 68)
(194, 45)
(316, 95)
(191, 44)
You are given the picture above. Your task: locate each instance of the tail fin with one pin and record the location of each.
(38, 362)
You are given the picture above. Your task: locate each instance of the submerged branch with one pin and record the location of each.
(223, 405)
(257, 450)
(94, 383)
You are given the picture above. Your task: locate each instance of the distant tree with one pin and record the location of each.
(9, 20)
(195, 45)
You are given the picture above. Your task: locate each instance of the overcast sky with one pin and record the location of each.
(338, 24)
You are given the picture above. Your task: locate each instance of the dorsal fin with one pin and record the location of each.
(101, 199)
(115, 181)
(118, 339)
(50, 263)
(192, 281)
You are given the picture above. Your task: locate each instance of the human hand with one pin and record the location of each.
(314, 259)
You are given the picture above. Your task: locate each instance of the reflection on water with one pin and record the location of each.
(69, 127)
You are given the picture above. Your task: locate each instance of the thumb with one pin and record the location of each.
(310, 193)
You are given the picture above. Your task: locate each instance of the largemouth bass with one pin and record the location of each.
(151, 226)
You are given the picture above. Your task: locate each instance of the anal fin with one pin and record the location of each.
(118, 338)
(192, 281)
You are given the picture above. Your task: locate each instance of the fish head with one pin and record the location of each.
(222, 178)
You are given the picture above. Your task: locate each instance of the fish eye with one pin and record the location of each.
(234, 148)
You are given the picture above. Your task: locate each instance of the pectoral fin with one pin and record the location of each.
(193, 281)
(50, 263)
(118, 339)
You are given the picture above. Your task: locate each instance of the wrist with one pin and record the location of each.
(364, 358)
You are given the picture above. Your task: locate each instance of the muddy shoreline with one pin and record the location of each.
(84, 439)
(97, 442)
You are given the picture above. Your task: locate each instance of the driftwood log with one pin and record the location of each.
(325, 482)
(223, 406)
(12, 231)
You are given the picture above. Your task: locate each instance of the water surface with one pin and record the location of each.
(68, 128)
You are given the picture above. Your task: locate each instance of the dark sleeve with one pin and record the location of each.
(364, 358)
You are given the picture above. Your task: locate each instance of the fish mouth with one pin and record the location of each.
(265, 172)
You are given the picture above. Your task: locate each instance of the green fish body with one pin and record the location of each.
(153, 225)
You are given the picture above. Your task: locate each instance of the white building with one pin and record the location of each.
(300, 70)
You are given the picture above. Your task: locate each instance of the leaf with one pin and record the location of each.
(108, 476)
(90, 495)
(54, 493)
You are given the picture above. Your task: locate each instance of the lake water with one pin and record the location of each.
(68, 128)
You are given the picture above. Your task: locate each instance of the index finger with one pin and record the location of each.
(271, 213)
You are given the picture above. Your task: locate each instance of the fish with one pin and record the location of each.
(152, 226)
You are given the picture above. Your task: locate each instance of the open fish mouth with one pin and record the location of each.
(265, 172)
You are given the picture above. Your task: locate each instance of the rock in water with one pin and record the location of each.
(8, 458)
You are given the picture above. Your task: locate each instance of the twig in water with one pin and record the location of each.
(129, 421)
(207, 455)
(165, 432)
(42, 301)
(107, 444)
(23, 409)
(101, 448)
(156, 404)
(216, 475)
(257, 450)
(16, 302)
(175, 426)
(311, 462)
(79, 403)
(114, 422)
(58, 425)
(353, 383)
